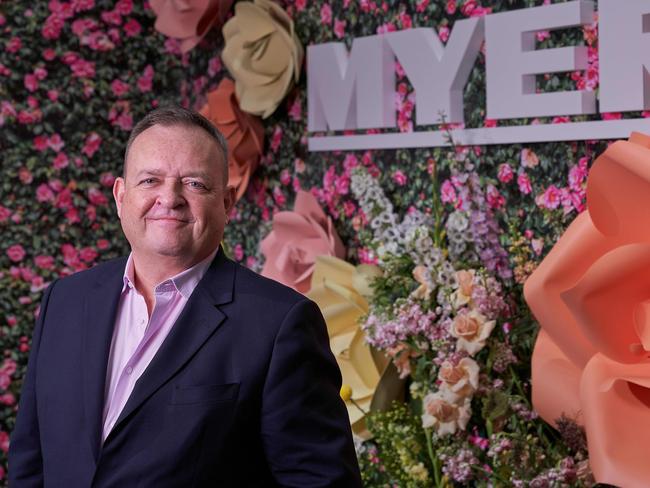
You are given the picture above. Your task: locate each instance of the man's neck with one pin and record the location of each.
(150, 272)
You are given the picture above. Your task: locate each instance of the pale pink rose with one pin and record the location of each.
(44, 193)
(55, 142)
(472, 330)
(88, 254)
(542, 35)
(296, 239)
(459, 380)
(31, 82)
(528, 158)
(443, 414)
(119, 88)
(91, 145)
(97, 197)
(60, 161)
(463, 294)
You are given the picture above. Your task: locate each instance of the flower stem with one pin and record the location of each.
(434, 459)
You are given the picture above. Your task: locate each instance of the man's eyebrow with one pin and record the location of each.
(197, 174)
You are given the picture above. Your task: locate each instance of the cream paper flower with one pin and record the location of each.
(461, 381)
(443, 414)
(341, 290)
(472, 330)
(263, 54)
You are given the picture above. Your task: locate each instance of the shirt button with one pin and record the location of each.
(142, 322)
(129, 370)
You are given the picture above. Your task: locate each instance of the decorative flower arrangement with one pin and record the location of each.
(263, 54)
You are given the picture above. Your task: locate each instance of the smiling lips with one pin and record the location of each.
(169, 220)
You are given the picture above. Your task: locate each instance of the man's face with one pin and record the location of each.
(172, 201)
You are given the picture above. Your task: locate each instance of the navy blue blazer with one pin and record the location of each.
(243, 392)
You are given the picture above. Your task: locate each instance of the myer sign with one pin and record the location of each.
(355, 90)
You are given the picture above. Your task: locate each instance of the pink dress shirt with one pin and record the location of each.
(137, 337)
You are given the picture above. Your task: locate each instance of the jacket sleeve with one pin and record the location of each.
(305, 426)
(25, 461)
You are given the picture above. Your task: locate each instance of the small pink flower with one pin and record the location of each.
(468, 7)
(40, 143)
(52, 27)
(443, 33)
(542, 35)
(44, 262)
(112, 17)
(612, 116)
(55, 142)
(505, 173)
(44, 193)
(145, 82)
(124, 7)
(107, 179)
(528, 158)
(14, 45)
(300, 5)
(60, 161)
(326, 14)
(88, 254)
(5, 213)
(16, 253)
(399, 178)
(53, 95)
(97, 197)
(551, 198)
(448, 193)
(451, 7)
(238, 252)
(524, 183)
(91, 145)
(25, 176)
(103, 244)
(494, 199)
(31, 82)
(276, 139)
(339, 28)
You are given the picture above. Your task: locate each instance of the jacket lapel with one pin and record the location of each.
(100, 309)
(196, 324)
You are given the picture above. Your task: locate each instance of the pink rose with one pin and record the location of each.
(528, 158)
(97, 197)
(551, 198)
(524, 183)
(31, 82)
(399, 178)
(16, 253)
(505, 173)
(124, 7)
(494, 199)
(297, 237)
(448, 193)
(40, 143)
(339, 28)
(61, 161)
(4, 441)
(451, 7)
(52, 27)
(55, 142)
(326, 14)
(44, 262)
(132, 28)
(91, 145)
(13, 45)
(44, 193)
(5, 213)
(88, 254)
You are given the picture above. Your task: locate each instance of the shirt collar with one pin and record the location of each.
(184, 282)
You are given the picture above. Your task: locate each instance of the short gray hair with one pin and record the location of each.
(170, 115)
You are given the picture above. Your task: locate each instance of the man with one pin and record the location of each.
(176, 367)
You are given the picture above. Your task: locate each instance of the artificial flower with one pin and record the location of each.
(472, 330)
(189, 20)
(590, 295)
(460, 380)
(263, 54)
(297, 238)
(443, 414)
(244, 133)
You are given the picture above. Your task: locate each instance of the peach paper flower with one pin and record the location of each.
(189, 20)
(244, 133)
(295, 241)
(591, 297)
(463, 294)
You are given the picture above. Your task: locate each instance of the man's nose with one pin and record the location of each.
(171, 194)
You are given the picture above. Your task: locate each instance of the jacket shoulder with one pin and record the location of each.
(251, 285)
(97, 274)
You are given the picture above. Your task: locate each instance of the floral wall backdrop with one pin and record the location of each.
(454, 231)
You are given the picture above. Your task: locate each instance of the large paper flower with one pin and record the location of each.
(591, 296)
(263, 54)
(244, 133)
(295, 241)
(189, 20)
(340, 290)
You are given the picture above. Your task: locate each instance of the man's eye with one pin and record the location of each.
(148, 181)
(196, 185)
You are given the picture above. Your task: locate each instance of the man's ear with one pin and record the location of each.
(229, 197)
(118, 194)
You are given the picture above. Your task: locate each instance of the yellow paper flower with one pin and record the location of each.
(263, 54)
(338, 288)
